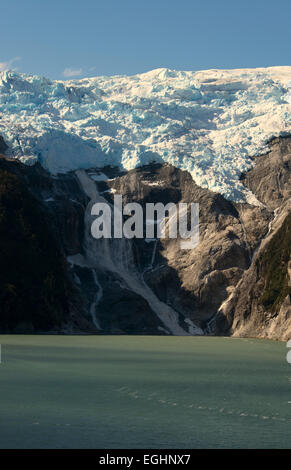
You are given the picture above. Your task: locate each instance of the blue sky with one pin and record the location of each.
(63, 38)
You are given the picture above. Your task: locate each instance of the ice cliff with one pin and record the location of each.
(207, 122)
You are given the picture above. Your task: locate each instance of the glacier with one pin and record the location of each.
(209, 123)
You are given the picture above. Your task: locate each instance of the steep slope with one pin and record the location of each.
(196, 281)
(260, 305)
(218, 138)
(36, 293)
(3, 146)
(270, 179)
(230, 272)
(206, 122)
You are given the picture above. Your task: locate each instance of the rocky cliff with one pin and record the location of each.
(237, 281)
(36, 291)
(260, 304)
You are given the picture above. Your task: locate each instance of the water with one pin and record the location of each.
(143, 392)
(115, 255)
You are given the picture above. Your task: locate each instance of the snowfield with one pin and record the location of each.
(207, 122)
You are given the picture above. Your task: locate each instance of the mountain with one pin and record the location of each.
(208, 122)
(260, 304)
(36, 292)
(218, 138)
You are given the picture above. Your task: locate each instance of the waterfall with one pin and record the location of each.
(116, 256)
(96, 300)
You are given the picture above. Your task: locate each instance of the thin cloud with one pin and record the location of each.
(8, 65)
(72, 72)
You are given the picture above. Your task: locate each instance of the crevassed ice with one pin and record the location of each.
(207, 122)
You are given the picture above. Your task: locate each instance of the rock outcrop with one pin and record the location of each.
(260, 305)
(37, 293)
(195, 282)
(236, 281)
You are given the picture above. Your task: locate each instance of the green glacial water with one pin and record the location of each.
(143, 392)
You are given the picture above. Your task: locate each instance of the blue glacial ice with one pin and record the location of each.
(207, 122)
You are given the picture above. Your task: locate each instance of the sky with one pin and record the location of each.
(64, 39)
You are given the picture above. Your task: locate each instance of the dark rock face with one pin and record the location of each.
(260, 305)
(270, 179)
(36, 292)
(3, 146)
(224, 285)
(195, 282)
